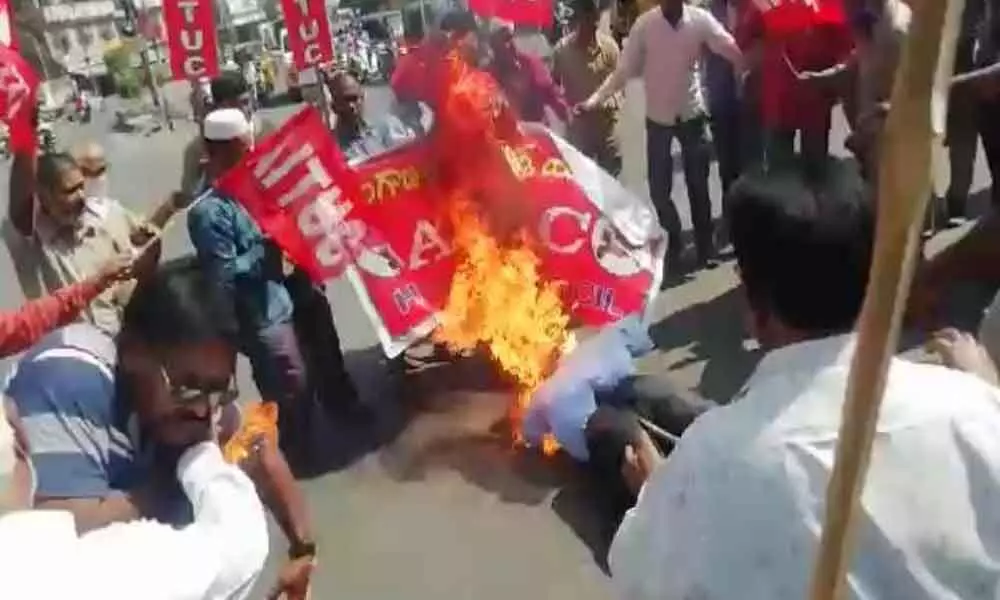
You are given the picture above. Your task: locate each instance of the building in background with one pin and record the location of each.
(78, 32)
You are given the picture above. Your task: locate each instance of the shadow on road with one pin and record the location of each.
(712, 331)
(341, 440)
(458, 424)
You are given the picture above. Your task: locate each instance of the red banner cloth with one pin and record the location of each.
(18, 98)
(308, 32)
(383, 225)
(800, 36)
(297, 187)
(7, 37)
(404, 281)
(190, 30)
(537, 13)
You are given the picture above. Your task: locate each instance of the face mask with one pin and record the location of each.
(97, 187)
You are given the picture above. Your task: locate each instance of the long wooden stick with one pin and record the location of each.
(916, 117)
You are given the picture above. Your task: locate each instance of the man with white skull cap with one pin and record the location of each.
(250, 268)
(217, 556)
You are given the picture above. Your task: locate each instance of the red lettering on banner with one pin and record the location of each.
(308, 29)
(190, 32)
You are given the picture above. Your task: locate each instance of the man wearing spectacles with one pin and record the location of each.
(107, 419)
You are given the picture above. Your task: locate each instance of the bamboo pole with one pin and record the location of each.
(915, 119)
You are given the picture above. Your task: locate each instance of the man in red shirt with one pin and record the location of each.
(417, 74)
(796, 37)
(527, 83)
(21, 329)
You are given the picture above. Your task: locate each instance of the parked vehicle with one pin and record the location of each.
(46, 137)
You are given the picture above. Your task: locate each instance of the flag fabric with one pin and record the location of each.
(598, 238)
(297, 186)
(190, 31)
(308, 28)
(18, 99)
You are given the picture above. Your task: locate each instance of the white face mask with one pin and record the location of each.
(97, 187)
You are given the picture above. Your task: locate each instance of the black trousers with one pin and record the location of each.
(320, 344)
(989, 131)
(614, 426)
(696, 156)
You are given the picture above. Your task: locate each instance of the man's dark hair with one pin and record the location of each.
(51, 166)
(180, 303)
(228, 87)
(804, 246)
(459, 21)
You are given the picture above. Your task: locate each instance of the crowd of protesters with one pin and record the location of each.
(112, 419)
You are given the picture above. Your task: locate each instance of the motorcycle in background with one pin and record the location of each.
(46, 137)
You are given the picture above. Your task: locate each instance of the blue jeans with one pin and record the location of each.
(696, 156)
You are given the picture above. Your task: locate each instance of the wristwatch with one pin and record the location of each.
(301, 549)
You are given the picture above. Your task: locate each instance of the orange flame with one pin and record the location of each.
(258, 419)
(498, 298)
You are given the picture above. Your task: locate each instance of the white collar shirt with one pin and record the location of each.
(667, 58)
(736, 511)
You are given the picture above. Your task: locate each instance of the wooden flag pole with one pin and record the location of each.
(915, 119)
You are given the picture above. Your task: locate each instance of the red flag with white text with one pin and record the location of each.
(308, 32)
(297, 187)
(18, 99)
(537, 13)
(598, 238)
(382, 226)
(190, 30)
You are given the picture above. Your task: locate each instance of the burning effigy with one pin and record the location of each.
(486, 233)
(490, 177)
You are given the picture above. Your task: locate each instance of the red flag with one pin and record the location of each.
(190, 29)
(7, 37)
(18, 96)
(308, 32)
(537, 13)
(298, 188)
(793, 16)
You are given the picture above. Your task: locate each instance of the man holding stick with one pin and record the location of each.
(739, 495)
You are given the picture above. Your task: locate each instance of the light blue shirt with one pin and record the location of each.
(563, 404)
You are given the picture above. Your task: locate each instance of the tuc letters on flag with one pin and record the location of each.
(308, 32)
(190, 32)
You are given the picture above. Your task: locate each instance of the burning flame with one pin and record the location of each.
(258, 419)
(498, 298)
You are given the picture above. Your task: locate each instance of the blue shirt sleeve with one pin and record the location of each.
(67, 412)
(214, 237)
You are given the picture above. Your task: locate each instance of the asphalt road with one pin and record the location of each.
(430, 504)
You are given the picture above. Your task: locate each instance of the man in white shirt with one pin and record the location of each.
(665, 48)
(736, 512)
(218, 555)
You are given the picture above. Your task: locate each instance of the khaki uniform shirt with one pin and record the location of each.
(581, 71)
(53, 258)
